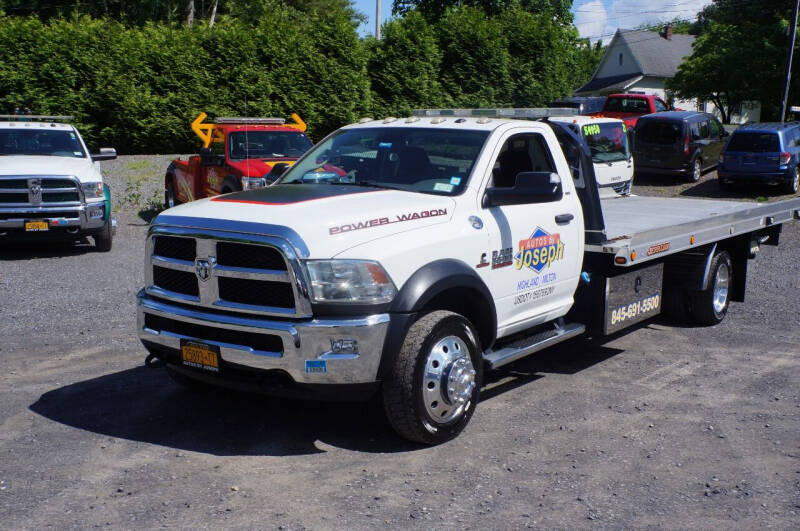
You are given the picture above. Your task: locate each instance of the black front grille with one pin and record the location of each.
(256, 292)
(175, 247)
(178, 281)
(41, 215)
(57, 183)
(263, 342)
(250, 256)
(17, 184)
(60, 197)
(13, 198)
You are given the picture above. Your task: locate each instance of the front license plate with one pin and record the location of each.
(200, 355)
(36, 225)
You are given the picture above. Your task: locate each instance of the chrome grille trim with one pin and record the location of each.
(206, 242)
(13, 183)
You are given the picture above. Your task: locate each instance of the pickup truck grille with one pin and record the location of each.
(39, 191)
(254, 277)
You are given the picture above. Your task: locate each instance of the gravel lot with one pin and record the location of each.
(663, 427)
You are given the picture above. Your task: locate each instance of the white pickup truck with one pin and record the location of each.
(408, 256)
(51, 187)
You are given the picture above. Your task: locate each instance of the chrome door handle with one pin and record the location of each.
(563, 219)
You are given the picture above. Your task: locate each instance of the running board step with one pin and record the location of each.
(540, 341)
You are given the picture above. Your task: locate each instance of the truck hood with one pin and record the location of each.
(329, 218)
(83, 169)
(258, 167)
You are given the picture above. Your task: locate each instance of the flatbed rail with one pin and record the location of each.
(639, 229)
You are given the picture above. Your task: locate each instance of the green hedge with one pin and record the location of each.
(138, 88)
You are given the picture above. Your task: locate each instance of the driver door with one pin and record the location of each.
(535, 248)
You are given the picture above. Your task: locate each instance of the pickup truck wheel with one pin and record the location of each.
(170, 200)
(710, 306)
(104, 238)
(793, 185)
(433, 390)
(675, 305)
(186, 382)
(697, 169)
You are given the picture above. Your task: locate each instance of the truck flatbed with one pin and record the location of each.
(652, 227)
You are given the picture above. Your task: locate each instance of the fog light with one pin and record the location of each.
(97, 212)
(344, 346)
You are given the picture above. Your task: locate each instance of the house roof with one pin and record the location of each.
(656, 55)
(612, 83)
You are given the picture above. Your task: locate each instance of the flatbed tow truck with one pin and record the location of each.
(452, 242)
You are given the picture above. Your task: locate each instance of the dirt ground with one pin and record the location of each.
(664, 427)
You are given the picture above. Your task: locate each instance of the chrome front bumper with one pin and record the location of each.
(303, 341)
(15, 217)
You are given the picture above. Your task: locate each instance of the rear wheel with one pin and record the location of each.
(697, 169)
(793, 185)
(433, 390)
(710, 306)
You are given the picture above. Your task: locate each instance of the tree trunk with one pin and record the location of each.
(189, 12)
(213, 14)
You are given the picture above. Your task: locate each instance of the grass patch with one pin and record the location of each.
(138, 165)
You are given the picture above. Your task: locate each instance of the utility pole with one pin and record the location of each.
(784, 103)
(378, 19)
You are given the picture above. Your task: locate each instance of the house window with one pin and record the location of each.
(620, 59)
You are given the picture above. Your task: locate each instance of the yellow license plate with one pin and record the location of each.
(200, 355)
(36, 226)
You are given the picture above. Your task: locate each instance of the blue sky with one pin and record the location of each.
(598, 19)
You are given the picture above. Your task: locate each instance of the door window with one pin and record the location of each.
(716, 128)
(703, 127)
(660, 106)
(521, 153)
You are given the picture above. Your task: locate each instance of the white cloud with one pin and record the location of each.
(599, 19)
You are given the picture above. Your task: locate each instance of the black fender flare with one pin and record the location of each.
(419, 290)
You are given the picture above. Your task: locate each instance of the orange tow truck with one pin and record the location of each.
(237, 154)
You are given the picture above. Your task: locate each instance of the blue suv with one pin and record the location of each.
(762, 153)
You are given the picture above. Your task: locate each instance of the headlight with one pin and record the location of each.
(248, 183)
(92, 190)
(351, 281)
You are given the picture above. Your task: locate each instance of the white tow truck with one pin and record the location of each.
(449, 243)
(51, 187)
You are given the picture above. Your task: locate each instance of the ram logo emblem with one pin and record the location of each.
(203, 267)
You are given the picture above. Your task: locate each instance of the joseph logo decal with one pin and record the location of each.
(539, 251)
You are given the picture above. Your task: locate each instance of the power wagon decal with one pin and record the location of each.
(376, 222)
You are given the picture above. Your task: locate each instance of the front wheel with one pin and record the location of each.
(434, 386)
(104, 238)
(710, 306)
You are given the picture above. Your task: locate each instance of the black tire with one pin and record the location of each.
(170, 199)
(407, 404)
(104, 239)
(187, 382)
(793, 185)
(710, 306)
(230, 185)
(697, 170)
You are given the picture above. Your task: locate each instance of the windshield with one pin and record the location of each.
(754, 142)
(435, 161)
(638, 105)
(48, 142)
(607, 141)
(267, 144)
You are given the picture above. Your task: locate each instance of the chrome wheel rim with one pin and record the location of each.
(796, 181)
(721, 288)
(696, 172)
(170, 197)
(449, 380)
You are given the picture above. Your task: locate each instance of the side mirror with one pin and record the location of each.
(530, 187)
(106, 153)
(277, 171)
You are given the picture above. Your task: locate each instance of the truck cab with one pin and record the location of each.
(608, 142)
(237, 154)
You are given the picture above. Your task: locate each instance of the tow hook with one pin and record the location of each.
(153, 362)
